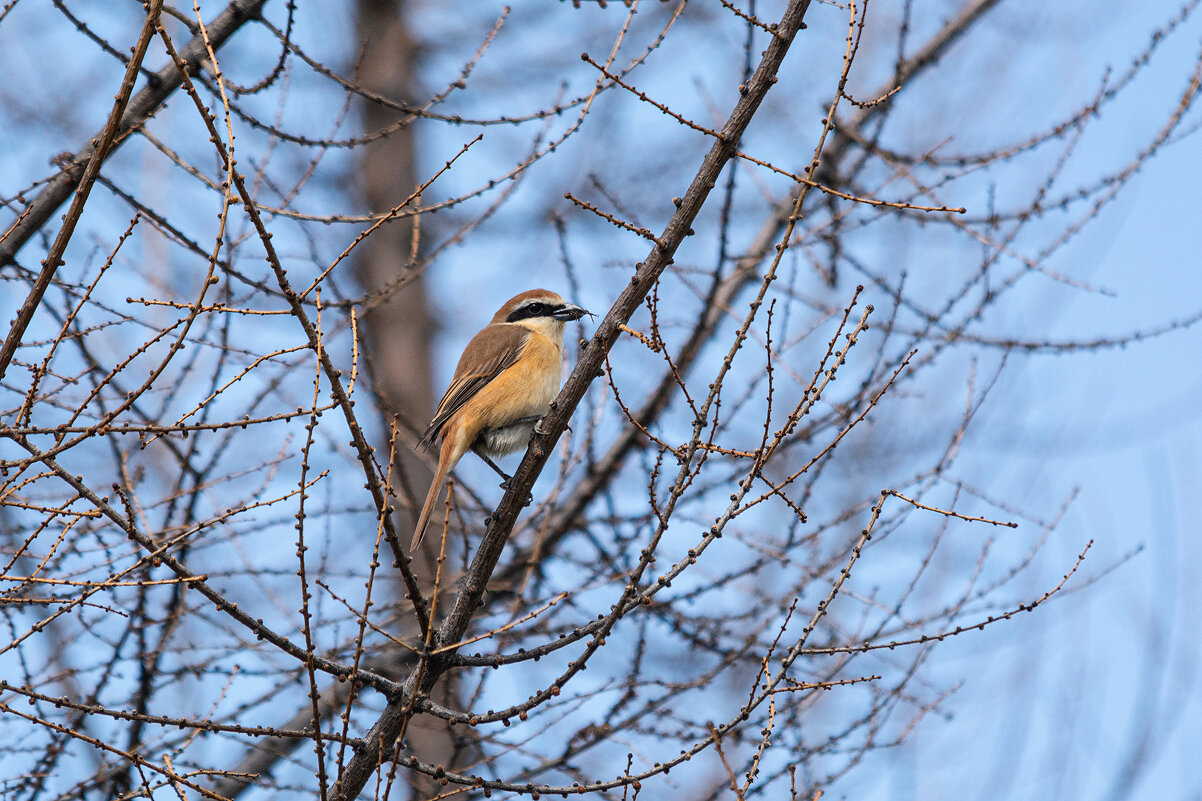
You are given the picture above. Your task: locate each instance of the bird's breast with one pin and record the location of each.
(509, 405)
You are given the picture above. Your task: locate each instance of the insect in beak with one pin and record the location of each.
(571, 312)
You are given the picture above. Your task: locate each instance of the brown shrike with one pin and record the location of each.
(504, 383)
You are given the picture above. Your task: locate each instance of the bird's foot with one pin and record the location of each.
(538, 427)
(529, 499)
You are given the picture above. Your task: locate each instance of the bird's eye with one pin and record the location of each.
(536, 309)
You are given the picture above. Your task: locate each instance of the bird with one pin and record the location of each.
(504, 383)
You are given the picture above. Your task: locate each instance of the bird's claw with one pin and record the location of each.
(529, 499)
(540, 431)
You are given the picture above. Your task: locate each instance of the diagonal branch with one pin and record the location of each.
(380, 740)
(100, 147)
(81, 172)
(593, 355)
(567, 512)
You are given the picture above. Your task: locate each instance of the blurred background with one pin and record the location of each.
(1054, 380)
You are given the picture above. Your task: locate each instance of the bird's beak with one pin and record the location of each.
(571, 312)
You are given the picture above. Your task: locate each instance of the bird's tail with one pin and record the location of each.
(445, 463)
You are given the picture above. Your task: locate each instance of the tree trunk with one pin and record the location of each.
(398, 331)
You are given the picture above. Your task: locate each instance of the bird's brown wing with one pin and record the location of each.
(489, 353)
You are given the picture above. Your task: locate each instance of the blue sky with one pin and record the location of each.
(1093, 696)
